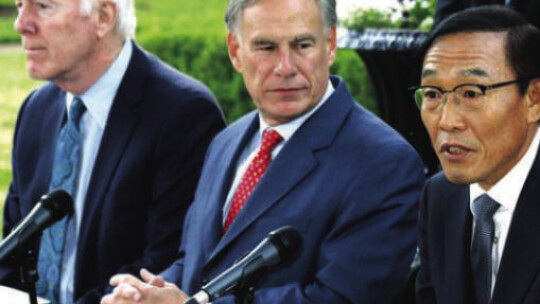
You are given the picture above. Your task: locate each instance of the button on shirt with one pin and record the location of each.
(286, 131)
(98, 101)
(506, 192)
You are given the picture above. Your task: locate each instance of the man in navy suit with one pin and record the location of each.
(347, 181)
(480, 102)
(530, 9)
(145, 129)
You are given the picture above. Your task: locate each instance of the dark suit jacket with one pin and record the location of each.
(445, 243)
(350, 185)
(529, 9)
(144, 177)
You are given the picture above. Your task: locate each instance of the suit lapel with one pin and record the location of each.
(50, 129)
(282, 175)
(120, 125)
(224, 169)
(521, 256)
(294, 162)
(458, 230)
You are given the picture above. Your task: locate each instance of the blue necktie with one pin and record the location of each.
(484, 209)
(65, 173)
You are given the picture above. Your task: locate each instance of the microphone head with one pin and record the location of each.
(288, 242)
(58, 202)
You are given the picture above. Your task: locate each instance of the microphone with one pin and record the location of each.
(279, 246)
(51, 208)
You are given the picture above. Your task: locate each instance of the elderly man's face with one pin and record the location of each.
(284, 55)
(56, 37)
(481, 144)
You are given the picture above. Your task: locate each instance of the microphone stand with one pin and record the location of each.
(28, 268)
(244, 293)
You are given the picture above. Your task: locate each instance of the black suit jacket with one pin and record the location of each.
(445, 243)
(530, 9)
(144, 177)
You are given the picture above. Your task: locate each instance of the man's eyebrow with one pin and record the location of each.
(473, 72)
(303, 38)
(428, 72)
(464, 73)
(262, 41)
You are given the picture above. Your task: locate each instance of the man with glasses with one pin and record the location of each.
(480, 102)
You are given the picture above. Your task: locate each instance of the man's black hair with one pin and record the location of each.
(523, 39)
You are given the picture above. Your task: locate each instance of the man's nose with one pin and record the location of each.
(25, 23)
(286, 66)
(451, 115)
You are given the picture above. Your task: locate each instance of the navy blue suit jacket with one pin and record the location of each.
(350, 185)
(529, 9)
(445, 244)
(159, 127)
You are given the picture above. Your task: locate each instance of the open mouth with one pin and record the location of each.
(454, 149)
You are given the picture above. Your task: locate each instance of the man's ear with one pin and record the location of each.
(107, 17)
(332, 45)
(533, 101)
(233, 46)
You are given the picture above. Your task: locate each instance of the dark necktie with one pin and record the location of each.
(484, 209)
(65, 173)
(254, 172)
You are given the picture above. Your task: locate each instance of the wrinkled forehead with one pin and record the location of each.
(477, 54)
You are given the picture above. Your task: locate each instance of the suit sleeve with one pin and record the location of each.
(9, 272)
(367, 252)
(178, 160)
(425, 292)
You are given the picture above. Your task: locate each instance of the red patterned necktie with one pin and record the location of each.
(254, 172)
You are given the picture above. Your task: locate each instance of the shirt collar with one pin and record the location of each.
(99, 97)
(507, 190)
(286, 130)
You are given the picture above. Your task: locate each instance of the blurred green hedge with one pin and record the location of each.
(206, 59)
(7, 16)
(195, 43)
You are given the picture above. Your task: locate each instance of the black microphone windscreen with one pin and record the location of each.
(58, 202)
(287, 241)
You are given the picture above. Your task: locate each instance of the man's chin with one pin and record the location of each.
(36, 74)
(457, 176)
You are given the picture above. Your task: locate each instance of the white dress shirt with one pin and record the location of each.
(98, 101)
(286, 131)
(506, 192)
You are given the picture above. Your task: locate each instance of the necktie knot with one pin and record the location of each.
(485, 207)
(270, 139)
(76, 110)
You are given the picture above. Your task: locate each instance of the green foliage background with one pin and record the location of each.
(189, 35)
(417, 14)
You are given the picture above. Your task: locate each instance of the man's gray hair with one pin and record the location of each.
(126, 15)
(236, 8)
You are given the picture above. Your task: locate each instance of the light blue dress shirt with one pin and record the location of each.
(98, 101)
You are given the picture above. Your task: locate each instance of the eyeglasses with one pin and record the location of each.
(470, 95)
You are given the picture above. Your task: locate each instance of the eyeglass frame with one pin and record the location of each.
(482, 87)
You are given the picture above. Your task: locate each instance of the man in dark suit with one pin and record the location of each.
(480, 102)
(530, 9)
(142, 133)
(343, 178)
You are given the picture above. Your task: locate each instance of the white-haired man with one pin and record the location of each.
(124, 134)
